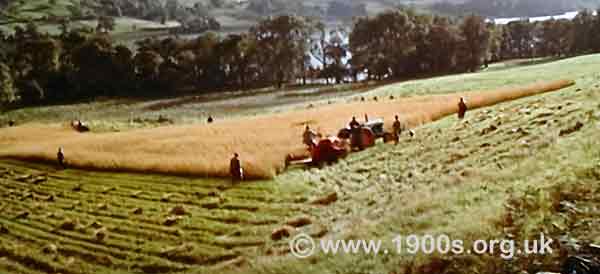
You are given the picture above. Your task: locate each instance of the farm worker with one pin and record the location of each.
(235, 169)
(397, 126)
(210, 119)
(355, 134)
(462, 108)
(354, 123)
(61, 157)
(308, 137)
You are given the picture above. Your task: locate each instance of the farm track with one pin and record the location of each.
(219, 222)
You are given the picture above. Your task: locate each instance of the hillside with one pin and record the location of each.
(511, 170)
(266, 146)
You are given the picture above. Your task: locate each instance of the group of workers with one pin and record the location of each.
(236, 171)
(308, 137)
(356, 128)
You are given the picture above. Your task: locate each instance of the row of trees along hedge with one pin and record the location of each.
(37, 68)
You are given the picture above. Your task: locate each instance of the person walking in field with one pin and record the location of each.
(308, 137)
(60, 156)
(355, 134)
(462, 108)
(235, 169)
(354, 123)
(397, 127)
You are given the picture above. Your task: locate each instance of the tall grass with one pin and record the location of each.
(262, 142)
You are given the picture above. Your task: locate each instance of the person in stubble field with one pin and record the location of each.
(397, 127)
(308, 137)
(356, 134)
(462, 108)
(60, 157)
(235, 169)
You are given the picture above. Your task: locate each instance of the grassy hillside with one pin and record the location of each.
(511, 170)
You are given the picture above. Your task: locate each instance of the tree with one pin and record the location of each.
(64, 26)
(281, 41)
(477, 40)
(207, 70)
(440, 46)
(93, 70)
(43, 56)
(362, 47)
(318, 43)
(556, 37)
(36, 65)
(124, 69)
(8, 92)
(238, 53)
(147, 65)
(171, 8)
(495, 48)
(385, 44)
(335, 51)
(105, 24)
(518, 40)
(169, 76)
(582, 32)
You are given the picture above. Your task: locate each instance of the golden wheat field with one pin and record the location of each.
(262, 141)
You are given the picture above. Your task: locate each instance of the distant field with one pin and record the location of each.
(37, 9)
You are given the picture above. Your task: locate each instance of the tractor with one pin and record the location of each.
(370, 131)
(330, 149)
(322, 151)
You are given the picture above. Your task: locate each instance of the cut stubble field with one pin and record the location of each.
(263, 141)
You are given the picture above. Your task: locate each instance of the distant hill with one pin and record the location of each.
(513, 8)
(236, 15)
